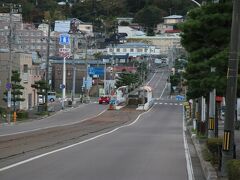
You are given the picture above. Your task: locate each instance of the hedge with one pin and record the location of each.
(233, 168)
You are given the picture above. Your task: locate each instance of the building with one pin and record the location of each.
(25, 37)
(173, 19)
(169, 24)
(164, 42)
(66, 26)
(130, 31)
(124, 19)
(29, 73)
(133, 49)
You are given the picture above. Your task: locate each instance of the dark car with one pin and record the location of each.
(104, 99)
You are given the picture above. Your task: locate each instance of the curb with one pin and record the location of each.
(208, 170)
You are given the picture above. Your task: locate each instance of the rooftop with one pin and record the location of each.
(173, 17)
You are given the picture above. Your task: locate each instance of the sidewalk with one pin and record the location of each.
(209, 171)
(53, 108)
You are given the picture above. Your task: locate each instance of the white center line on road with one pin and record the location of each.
(151, 79)
(163, 91)
(72, 145)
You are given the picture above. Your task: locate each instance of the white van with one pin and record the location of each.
(51, 97)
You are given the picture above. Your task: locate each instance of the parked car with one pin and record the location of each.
(51, 97)
(104, 99)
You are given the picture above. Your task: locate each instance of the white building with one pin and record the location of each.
(173, 19)
(64, 26)
(169, 23)
(130, 31)
(164, 42)
(133, 49)
(124, 19)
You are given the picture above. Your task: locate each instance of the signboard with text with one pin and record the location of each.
(96, 71)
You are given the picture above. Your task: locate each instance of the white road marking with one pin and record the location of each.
(151, 79)
(170, 103)
(165, 103)
(72, 145)
(187, 153)
(163, 91)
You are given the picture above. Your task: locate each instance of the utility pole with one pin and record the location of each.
(13, 8)
(47, 66)
(9, 99)
(228, 138)
(74, 71)
(86, 66)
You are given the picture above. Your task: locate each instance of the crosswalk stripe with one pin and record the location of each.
(175, 104)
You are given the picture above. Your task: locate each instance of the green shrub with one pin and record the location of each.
(42, 113)
(214, 144)
(233, 168)
(207, 156)
(22, 114)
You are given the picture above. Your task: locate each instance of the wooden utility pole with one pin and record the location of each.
(228, 139)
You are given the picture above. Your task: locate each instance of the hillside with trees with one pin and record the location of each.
(102, 13)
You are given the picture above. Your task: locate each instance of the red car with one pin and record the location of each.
(104, 99)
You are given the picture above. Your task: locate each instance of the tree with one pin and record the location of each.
(16, 89)
(127, 79)
(149, 17)
(142, 70)
(42, 88)
(205, 36)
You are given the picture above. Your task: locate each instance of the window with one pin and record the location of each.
(25, 68)
(139, 50)
(124, 50)
(131, 50)
(118, 50)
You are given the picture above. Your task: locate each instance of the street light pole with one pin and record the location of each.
(197, 3)
(228, 138)
(13, 8)
(9, 100)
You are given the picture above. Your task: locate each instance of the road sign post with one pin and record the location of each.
(64, 39)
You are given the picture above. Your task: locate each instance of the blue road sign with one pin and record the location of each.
(64, 39)
(180, 98)
(8, 86)
(96, 71)
(87, 83)
(62, 86)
